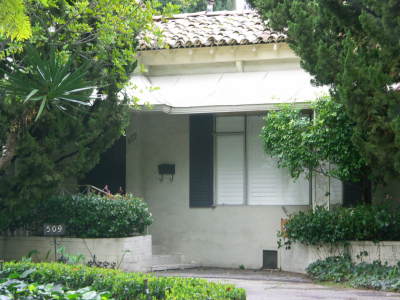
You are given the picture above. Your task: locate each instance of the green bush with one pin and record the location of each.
(340, 225)
(123, 285)
(363, 275)
(92, 215)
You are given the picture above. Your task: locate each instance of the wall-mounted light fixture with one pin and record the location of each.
(166, 169)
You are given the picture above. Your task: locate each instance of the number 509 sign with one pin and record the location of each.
(54, 229)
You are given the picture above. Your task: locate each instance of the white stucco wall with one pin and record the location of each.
(224, 236)
(300, 256)
(130, 253)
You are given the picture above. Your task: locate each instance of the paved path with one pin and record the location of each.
(266, 285)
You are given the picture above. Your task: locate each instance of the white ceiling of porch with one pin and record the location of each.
(221, 91)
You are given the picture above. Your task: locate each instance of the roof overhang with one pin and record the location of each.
(219, 108)
(221, 54)
(225, 92)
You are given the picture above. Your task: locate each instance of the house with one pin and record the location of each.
(195, 155)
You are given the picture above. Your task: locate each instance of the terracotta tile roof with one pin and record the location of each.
(206, 29)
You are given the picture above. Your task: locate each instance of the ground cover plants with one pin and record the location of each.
(341, 269)
(120, 285)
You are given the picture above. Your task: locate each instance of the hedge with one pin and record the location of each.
(123, 285)
(340, 225)
(92, 215)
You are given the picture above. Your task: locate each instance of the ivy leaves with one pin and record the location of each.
(321, 144)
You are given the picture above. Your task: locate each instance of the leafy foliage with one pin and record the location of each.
(123, 285)
(14, 23)
(66, 258)
(91, 215)
(379, 222)
(65, 144)
(353, 47)
(190, 6)
(303, 144)
(51, 82)
(333, 268)
(363, 275)
(19, 289)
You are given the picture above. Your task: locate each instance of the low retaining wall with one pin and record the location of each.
(299, 256)
(130, 253)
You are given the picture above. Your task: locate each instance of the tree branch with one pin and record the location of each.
(72, 153)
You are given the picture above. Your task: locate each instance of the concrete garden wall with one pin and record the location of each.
(130, 253)
(299, 256)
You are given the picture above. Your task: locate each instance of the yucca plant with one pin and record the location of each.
(49, 81)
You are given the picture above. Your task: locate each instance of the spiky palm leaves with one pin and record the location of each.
(51, 82)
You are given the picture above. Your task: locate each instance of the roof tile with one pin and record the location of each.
(206, 29)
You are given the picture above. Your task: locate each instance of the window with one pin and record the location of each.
(229, 160)
(266, 183)
(228, 165)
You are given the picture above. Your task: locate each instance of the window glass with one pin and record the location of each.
(230, 124)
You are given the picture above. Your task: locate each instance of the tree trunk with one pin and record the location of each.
(9, 150)
(366, 191)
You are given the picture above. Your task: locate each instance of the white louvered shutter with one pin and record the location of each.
(336, 190)
(229, 162)
(267, 184)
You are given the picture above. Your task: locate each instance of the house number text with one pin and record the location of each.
(53, 229)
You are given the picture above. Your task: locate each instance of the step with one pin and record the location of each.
(167, 259)
(174, 267)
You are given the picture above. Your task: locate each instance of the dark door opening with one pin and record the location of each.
(110, 170)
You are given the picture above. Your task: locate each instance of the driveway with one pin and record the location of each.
(274, 285)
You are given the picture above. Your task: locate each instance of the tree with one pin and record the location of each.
(63, 144)
(190, 6)
(14, 23)
(353, 47)
(49, 82)
(322, 144)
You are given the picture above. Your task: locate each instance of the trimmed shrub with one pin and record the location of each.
(123, 285)
(92, 215)
(363, 275)
(340, 225)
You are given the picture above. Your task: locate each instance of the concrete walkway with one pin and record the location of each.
(273, 285)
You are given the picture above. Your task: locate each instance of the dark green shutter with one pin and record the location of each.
(201, 160)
